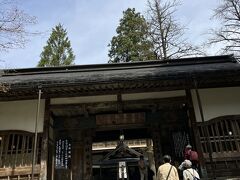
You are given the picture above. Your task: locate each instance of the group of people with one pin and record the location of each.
(188, 167)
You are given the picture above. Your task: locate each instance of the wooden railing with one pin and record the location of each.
(221, 138)
(19, 173)
(16, 152)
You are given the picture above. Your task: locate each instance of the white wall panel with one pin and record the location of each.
(217, 102)
(21, 115)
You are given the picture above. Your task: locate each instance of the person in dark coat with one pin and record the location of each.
(150, 174)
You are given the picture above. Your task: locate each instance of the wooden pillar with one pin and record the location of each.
(87, 168)
(157, 148)
(81, 165)
(193, 126)
(44, 150)
(150, 155)
(195, 133)
(77, 160)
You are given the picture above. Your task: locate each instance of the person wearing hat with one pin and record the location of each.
(189, 173)
(167, 171)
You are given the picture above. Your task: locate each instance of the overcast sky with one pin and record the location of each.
(92, 23)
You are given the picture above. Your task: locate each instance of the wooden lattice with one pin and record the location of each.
(180, 140)
(16, 151)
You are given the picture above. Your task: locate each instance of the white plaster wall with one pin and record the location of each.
(21, 115)
(217, 102)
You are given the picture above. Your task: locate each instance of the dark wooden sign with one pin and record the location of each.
(120, 119)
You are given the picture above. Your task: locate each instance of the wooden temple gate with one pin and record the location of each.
(168, 129)
(70, 148)
(84, 102)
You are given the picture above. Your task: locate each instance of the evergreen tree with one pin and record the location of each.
(58, 51)
(132, 42)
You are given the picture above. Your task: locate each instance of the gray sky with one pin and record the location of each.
(92, 23)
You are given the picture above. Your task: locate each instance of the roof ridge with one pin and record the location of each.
(120, 66)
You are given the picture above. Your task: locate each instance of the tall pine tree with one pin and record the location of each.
(132, 41)
(58, 51)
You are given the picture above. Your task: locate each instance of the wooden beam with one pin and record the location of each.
(18, 171)
(131, 126)
(78, 90)
(119, 103)
(67, 110)
(194, 129)
(159, 101)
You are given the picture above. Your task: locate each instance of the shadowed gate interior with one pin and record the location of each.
(88, 145)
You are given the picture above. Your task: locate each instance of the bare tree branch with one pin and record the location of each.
(228, 12)
(166, 34)
(13, 23)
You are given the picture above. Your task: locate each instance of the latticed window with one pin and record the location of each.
(180, 140)
(16, 148)
(220, 138)
(222, 134)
